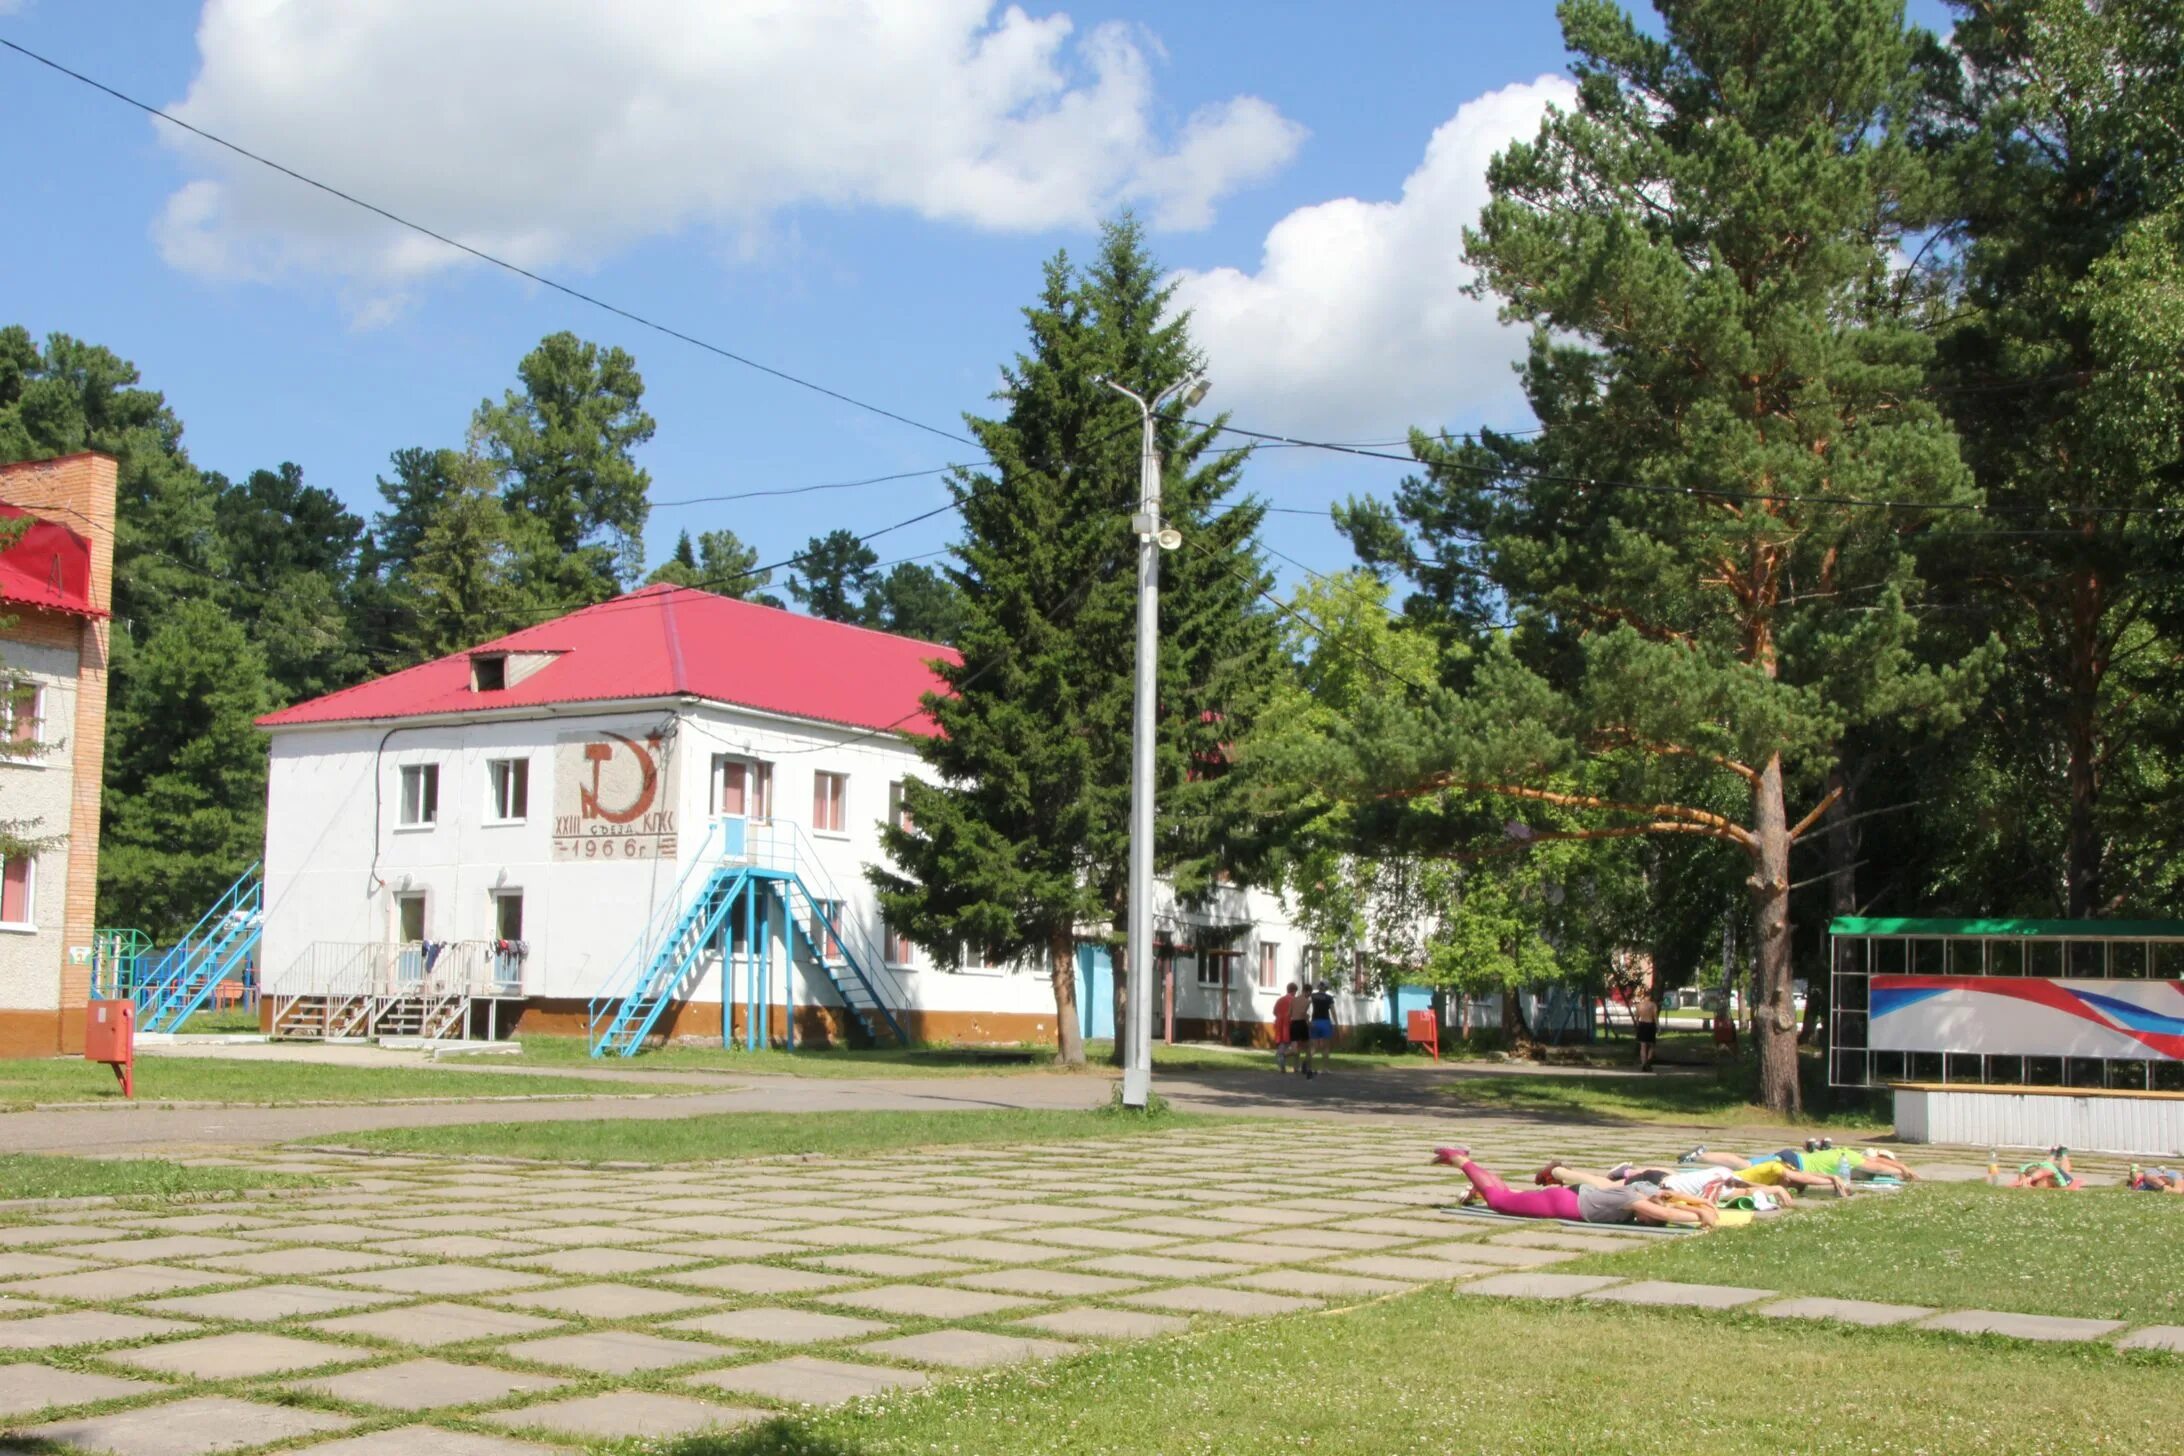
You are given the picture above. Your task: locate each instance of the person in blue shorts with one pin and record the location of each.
(1322, 1029)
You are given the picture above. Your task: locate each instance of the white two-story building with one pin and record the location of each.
(526, 823)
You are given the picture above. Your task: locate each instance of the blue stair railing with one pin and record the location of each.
(180, 980)
(844, 971)
(618, 1020)
(770, 868)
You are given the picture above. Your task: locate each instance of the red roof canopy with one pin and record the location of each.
(664, 642)
(49, 566)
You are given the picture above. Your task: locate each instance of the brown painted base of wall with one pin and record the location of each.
(32, 1034)
(816, 1026)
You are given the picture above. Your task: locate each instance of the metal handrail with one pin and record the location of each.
(392, 969)
(658, 926)
(787, 839)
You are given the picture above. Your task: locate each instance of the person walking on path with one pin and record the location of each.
(1322, 1030)
(1645, 1020)
(1285, 1024)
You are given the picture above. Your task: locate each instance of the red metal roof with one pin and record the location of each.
(663, 642)
(49, 567)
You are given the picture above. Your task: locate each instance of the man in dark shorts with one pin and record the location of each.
(1300, 1028)
(1322, 1029)
(1645, 1018)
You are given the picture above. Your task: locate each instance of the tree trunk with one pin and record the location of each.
(1516, 1036)
(1068, 1030)
(1119, 959)
(1842, 843)
(1774, 1012)
(2081, 718)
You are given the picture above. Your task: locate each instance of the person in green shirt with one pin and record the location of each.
(2052, 1171)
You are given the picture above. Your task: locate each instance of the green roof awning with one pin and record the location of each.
(2049, 929)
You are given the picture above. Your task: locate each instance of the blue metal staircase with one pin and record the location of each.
(172, 986)
(726, 894)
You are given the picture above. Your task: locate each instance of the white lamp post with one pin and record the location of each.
(1137, 1060)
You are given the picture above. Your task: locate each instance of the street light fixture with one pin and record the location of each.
(1153, 538)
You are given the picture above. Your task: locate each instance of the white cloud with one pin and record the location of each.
(1356, 325)
(557, 131)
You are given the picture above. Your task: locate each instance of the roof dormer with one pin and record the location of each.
(494, 671)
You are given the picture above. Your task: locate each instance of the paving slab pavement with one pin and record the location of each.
(186, 1427)
(2019, 1326)
(27, 1389)
(1844, 1311)
(809, 1380)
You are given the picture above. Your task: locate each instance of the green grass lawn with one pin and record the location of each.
(917, 1061)
(36, 1175)
(1437, 1372)
(1719, 1100)
(764, 1134)
(208, 1079)
(2100, 1254)
(229, 1020)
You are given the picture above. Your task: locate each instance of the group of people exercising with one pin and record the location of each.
(1692, 1192)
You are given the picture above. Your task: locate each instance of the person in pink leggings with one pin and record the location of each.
(1628, 1203)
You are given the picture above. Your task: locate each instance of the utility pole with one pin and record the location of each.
(1153, 538)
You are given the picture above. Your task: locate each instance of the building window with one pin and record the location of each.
(488, 672)
(509, 783)
(742, 788)
(420, 795)
(1361, 976)
(1270, 965)
(409, 917)
(898, 809)
(900, 950)
(823, 914)
(22, 713)
(1312, 965)
(830, 802)
(508, 914)
(1217, 967)
(18, 892)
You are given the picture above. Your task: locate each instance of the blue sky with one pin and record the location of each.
(865, 204)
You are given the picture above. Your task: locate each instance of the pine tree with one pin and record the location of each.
(1703, 248)
(1022, 837)
(564, 445)
(186, 770)
(717, 562)
(834, 578)
(2064, 373)
(466, 584)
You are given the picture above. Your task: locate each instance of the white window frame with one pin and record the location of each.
(893, 941)
(425, 773)
(1270, 965)
(840, 828)
(829, 945)
(37, 693)
(30, 899)
(898, 808)
(493, 796)
(1210, 961)
(504, 893)
(424, 916)
(757, 788)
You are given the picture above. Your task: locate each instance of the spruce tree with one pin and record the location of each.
(1020, 840)
(1705, 600)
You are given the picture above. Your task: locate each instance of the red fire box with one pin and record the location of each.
(109, 1036)
(1420, 1029)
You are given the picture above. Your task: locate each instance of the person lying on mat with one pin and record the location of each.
(2052, 1171)
(1714, 1184)
(1817, 1156)
(1627, 1203)
(2155, 1180)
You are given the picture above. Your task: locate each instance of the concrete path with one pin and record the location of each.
(1407, 1095)
(416, 1305)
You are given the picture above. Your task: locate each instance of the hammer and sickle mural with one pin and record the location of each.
(599, 755)
(614, 796)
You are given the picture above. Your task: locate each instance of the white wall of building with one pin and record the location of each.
(338, 858)
(40, 790)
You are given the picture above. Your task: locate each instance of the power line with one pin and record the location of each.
(1691, 492)
(481, 255)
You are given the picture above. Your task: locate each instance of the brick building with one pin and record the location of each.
(56, 585)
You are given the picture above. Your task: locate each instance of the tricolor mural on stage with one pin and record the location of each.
(2028, 1016)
